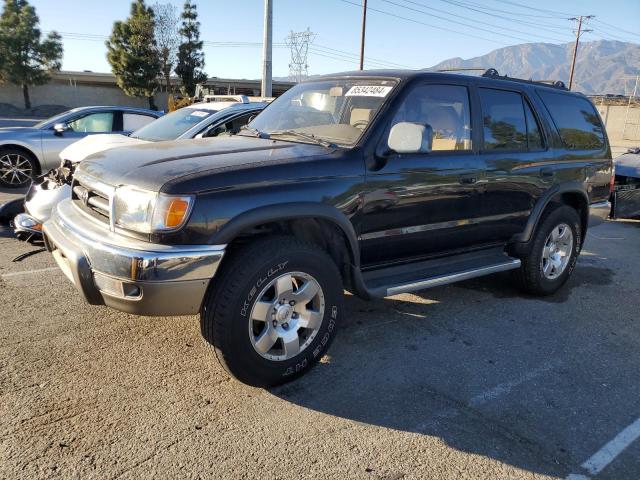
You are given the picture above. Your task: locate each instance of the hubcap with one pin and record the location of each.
(557, 251)
(286, 316)
(15, 169)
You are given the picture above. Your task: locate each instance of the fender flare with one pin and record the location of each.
(288, 211)
(543, 202)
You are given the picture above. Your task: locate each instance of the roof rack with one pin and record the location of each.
(493, 73)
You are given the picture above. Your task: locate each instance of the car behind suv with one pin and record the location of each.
(378, 182)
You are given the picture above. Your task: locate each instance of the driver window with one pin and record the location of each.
(93, 123)
(445, 108)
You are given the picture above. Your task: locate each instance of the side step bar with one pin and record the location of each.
(387, 281)
(452, 278)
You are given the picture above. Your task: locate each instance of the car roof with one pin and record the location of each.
(145, 111)
(406, 75)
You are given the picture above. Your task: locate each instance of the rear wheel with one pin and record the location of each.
(17, 168)
(273, 310)
(553, 252)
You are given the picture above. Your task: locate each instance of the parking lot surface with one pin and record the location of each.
(473, 380)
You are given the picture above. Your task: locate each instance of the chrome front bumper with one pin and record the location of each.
(599, 212)
(128, 274)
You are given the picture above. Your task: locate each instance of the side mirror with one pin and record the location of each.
(60, 128)
(406, 137)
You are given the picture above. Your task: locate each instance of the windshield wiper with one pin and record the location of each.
(253, 131)
(307, 136)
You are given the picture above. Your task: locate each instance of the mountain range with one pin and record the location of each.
(600, 65)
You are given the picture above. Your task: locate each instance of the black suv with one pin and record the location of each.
(377, 182)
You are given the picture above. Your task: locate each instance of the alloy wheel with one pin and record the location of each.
(286, 316)
(557, 251)
(15, 169)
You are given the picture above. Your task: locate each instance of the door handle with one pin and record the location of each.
(468, 179)
(547, 172)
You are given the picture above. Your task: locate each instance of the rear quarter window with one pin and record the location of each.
(576, 120)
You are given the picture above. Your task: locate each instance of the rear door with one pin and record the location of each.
(421, 204)
(515, 156)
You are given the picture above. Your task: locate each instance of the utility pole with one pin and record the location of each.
(579, 32)
(267, 45)
(364, 28)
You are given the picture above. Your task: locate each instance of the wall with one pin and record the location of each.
(72, 95)
(614, 117)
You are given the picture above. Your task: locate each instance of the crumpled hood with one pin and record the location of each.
(628, 165)
(152, 165)
(91, 144)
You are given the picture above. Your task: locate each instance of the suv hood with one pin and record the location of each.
(91, 144)
(152, 165)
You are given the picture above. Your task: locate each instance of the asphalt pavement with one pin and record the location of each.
(473, 380)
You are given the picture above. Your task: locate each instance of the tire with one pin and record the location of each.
(250, 286)
(17, 168)
(547, 265)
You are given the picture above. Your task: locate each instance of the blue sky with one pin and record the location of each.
(421, 38)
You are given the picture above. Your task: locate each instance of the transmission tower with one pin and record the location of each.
(299, 42)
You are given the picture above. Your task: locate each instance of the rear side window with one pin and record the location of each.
(508, 122)
(576, 120)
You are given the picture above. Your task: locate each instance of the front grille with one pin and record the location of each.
(92, 198)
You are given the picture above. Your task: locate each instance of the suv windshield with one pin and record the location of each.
(331, 111)
(172, 125)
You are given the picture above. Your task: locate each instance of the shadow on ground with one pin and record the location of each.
(421, 365)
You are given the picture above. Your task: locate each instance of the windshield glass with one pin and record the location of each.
(334, 111)
(172, 125)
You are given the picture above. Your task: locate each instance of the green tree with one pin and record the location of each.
(24, 59)
(133, 54)
(190, 55)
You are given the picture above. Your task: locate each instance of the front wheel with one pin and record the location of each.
(553, 252)
(17, 168)
(273, 310)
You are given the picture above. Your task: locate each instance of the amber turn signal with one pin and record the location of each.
(176, 212)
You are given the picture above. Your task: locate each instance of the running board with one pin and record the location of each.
(434, 273)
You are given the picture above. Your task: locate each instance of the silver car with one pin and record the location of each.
(200, 120)
(26, 152)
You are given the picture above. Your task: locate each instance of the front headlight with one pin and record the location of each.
(147, 212)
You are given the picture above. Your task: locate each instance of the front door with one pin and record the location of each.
(78, 127)
(428, 202)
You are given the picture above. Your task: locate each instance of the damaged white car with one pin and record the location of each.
(201, 120)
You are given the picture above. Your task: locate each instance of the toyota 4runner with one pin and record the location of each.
(377, 182)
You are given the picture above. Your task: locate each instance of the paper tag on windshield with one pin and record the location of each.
(199, 113)
(368, 91)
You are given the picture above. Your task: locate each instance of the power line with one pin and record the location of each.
(424, 23)
(531, 15)
(556, 29)
(544, 10)
(616, 27)
(474, 26)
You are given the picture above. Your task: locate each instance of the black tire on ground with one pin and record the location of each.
(225, 317)
(26, 163)
(530, 277)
